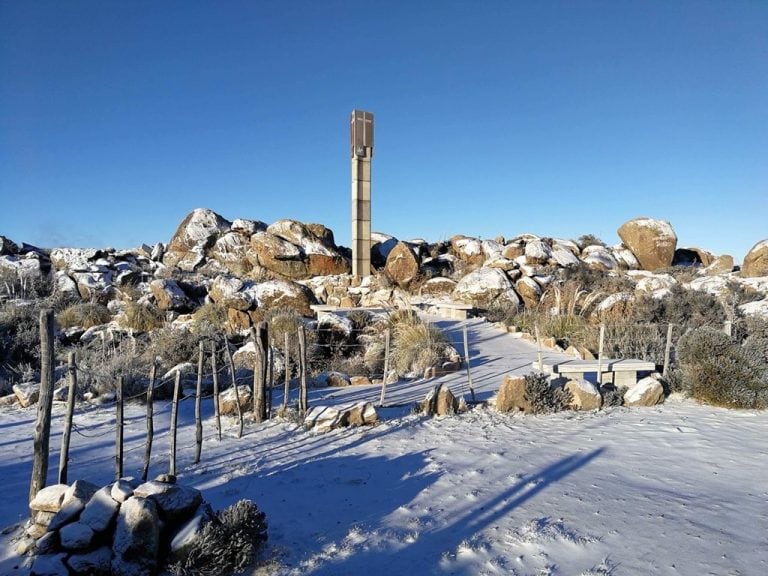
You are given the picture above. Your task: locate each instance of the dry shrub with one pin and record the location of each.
(85, 315)
(209, 319)
(416, 346)
(717, 370)
(142, 317)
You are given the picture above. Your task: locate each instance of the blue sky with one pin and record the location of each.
(492, 117)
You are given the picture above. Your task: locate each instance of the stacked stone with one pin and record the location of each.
(119, 529)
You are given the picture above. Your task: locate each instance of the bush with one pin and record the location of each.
(543, 397)
(102, 368)
(85, 315)
(682, 306)
(142, 317)
(173, 346)
(718, 371)
(227, 544)
(210, 319)
(589, 240)
(612, 396)
(416, 346)
(20, 333)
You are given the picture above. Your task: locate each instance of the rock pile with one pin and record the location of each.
(124, 529)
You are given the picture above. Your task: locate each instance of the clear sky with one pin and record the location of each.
(492, 117)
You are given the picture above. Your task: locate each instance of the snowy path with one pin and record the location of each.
(494, 354)
(679, 489)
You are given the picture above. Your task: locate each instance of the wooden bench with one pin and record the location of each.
(617, 372)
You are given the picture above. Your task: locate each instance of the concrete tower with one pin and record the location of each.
(361, 143)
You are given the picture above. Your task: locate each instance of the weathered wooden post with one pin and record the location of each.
(44, 404)
(667, 349)
(303, 400)
(261, 343)
(198, 401)
(215, 370)
(386, 367)
(270, 379)
(466, 357)
(234, 385)
(72, 392)
(150, 419)
(538, 347)
(600, 355)
(119, 428)
(174, 421)
(287, 354)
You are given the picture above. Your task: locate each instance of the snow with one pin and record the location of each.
(676, 489)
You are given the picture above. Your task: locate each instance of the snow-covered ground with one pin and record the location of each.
(678, 489)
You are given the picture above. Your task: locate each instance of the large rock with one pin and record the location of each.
(756, 261)
(228, 401)
(723, 264)
(49, 499)
(647, 392)
(196, 233)
(27, 393)
(76, 536)
(469, 250)
(100, 510)
(231, 251)
(599, 258)
(402, 265)
(440, 401)
(282, 294)
(511, 396)
(94, 563)
(653, 242)
(137, 538)
(75, 499)
(437, 287)
(485, 286)
(169, 296)
(174, 501)
(277, 255)
(381, 246)
(323, 419)
(584, 395)
(49, 565)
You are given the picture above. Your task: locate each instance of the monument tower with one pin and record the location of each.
(361, 143)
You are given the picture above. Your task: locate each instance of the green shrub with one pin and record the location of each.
(142, 317)
(612, 396)
(589, 240)
(20, 333)
(227, 544)
(173, 346)
(543, 397)
(682, 306)
(718, 371)
(85, 315)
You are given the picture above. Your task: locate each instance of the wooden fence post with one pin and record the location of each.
(386, 367)
(303, 401)
(174, 421)
(538, 345)
(600, 355)
(287, 353)
(234, 385)
(261, 343)
(215, 370)
(150, 419)
(43, 423)
(667, 349)
(466, 357)
(119, 428)
(72, 378)
(270, 379)
(198, 400)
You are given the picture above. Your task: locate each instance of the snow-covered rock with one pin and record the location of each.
(756, 261)
(653, 242)
(76, 536)
(564, 257)
(169, 296)
(599, 257)
(27, 393)
(584, 394)
(647, 392)
(100, 510)
(137, 538)
(485, 286)
(175, 501)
